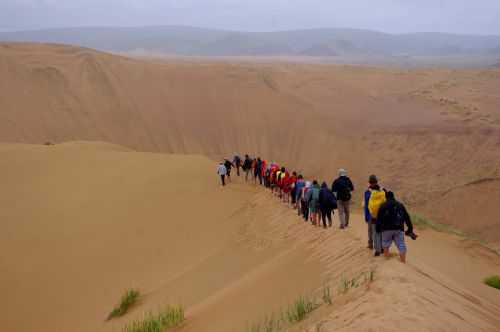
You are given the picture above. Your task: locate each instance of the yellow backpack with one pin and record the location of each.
(377, 198)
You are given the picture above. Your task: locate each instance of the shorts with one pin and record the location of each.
(397, 237)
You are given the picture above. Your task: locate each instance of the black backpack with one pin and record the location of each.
(344, 193)
(247, 164)
(332, 201)
(397, 216)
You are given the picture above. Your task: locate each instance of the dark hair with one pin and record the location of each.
(301, 177)
(294, 173)
(324, 185)
(390, 195)
(315, 182)
(283, 169)
(373, 179)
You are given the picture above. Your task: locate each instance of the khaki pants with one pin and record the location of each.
(344, 212)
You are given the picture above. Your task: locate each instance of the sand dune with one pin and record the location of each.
(135, 201)
(431, 135)
(83, 221)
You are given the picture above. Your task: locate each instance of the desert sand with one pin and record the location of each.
(84, 221)
(128, 196)
(436, 132)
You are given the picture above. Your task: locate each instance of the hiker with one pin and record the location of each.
(299, 185)
(304, 205)
(274, 171)
(267, 176)
(237, 163)
(254, 166)
(247, 166)
(279, 173)
(292, 184)
(228, 166)
(373, 201)
(286, 184)
(327, 203)
(372, 184)
(262, 172)
(312, 197)
(342, 187)
(222, 171)
(282, 183)
(258, 166)
(391, 218)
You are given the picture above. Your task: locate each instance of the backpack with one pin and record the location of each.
(397, 216)
(315, 194)
(247, 164)
(377, 198)
(332, 201)
(343, 193)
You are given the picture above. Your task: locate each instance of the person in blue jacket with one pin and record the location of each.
(372, 184)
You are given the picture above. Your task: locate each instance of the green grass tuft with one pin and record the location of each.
(344, 285)
(170, 317)
(327, 295)
(493, 281)
(128, 299)
(300, 309)
(422, 222)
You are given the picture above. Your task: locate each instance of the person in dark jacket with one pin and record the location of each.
(258, 166)
(247, 166)
(342, 187)
(228, 165)
(237, 163)
(327, 203)
(391, 218)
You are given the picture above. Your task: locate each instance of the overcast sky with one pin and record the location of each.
(459, 16)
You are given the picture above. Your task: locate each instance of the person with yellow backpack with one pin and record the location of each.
(374, 198)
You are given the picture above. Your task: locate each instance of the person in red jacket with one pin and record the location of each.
(292, 194)
(263, 171)
(274, 180)
(285, 186)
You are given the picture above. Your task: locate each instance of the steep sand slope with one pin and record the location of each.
(431, 135)
(83, 221)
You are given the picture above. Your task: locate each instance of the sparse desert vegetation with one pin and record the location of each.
(127, 301)
(493, 281)
(300, 309)
(169, 317)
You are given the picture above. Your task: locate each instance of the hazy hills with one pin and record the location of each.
(191, 41)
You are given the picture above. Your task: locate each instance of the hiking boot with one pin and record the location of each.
(377, 254)
(370, 247)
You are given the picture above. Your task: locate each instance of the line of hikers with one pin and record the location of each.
(384, 215)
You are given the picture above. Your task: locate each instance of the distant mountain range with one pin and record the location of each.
(178, 40)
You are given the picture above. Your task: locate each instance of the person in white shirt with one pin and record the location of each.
(222, 171)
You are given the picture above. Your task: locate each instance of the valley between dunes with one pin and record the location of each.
(431, 135)
(84, 221)
(128, 195)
